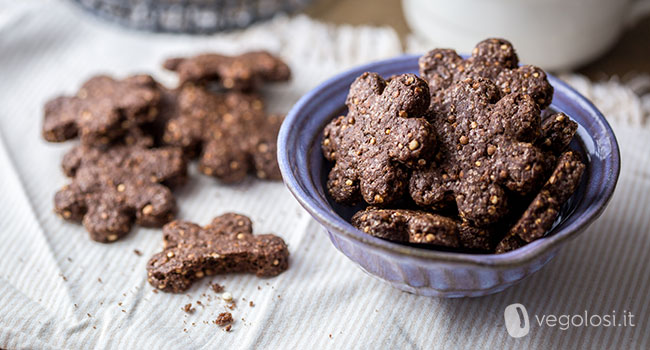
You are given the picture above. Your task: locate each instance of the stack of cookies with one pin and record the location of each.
(136, 138)
(465, 157)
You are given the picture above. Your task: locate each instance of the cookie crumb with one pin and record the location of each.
(224, 318)
(232, 305)
(251, 304)
(188, 308)
(99, 280)
(137, 252)
(228, 328)
(216, 287)
(226, 296)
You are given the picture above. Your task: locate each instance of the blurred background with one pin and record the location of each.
(598, 38)
(619, 29)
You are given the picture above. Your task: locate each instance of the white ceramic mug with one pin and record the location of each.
(553, 34)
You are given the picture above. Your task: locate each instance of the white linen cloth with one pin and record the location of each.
(60, 290)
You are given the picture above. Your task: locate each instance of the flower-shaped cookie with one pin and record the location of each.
(111, 189)
(383, 135)
(102, 110)
(484, 148)
(230, 130)
(244, 72)
(493, 59)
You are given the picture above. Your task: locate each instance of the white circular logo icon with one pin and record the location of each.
(516, 318)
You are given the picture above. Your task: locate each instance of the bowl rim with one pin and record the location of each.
(336, 224)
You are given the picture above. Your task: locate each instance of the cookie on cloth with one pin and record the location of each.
(113, 188)
(419, 227)
(230, 132)
(102, 110)
(226, 245)
(484, 148)
(545, 207)
(382, 136)
(244, 72)
(493, 59)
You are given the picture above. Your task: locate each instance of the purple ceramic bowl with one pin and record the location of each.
(425, 271)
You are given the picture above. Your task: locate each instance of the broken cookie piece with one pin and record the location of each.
(102, 110)
(245, 72)
(419, 227)
(113, 188)
(545, 207)
(382, 136)
(226, 245)
(231, 132)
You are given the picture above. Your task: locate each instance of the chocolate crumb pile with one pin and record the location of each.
(460, 158)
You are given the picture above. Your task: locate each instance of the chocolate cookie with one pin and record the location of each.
(419, 227)
(113, 188)
(508, 243)
(484, 147)
(102, 110)
(545, 208)
(226, 245)
(493, 59)
(231, 131)
(557, 132)
(169, 109)
(383, 134)
(244, 72)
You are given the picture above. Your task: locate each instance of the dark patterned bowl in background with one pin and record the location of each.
(437, 272)
(189, 16)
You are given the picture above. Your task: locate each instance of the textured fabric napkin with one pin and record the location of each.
(59, 290)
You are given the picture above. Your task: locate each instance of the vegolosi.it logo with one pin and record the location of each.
(518, 322)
